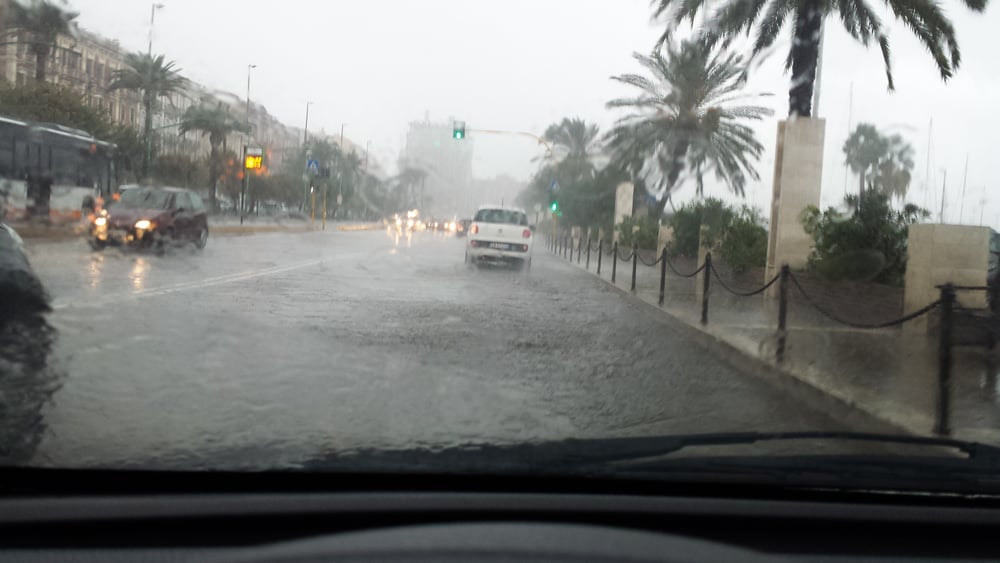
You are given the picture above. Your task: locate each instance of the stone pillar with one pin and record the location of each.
(665, 237)
(798, 174)
(938, 254)
(623, 205)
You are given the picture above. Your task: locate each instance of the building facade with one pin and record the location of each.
(87, 63)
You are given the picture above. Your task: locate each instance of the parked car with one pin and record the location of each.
(153, 217)
(499, 235)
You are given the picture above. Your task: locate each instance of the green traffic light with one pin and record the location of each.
(458, 135)
(554, 206)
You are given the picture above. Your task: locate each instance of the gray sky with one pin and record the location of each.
(522, 64)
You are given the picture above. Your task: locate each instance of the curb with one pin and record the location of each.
(366, 227)
(835, 405)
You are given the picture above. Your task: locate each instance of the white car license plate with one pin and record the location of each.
(499, 246)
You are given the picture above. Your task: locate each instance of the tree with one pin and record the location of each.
(576, 147)
(686, 119)
(881, 162)
(868, 245)
(213, 119)
(925, 19)
(154, 78)
(43, 21)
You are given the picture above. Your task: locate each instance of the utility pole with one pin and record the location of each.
(965, 178)
(819, 71)
(944, 184)
(246, 152)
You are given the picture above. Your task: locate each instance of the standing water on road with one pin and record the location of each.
(290, 268)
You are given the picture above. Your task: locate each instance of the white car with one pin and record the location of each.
(499, 235)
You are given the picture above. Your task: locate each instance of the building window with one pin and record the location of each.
(90, 66)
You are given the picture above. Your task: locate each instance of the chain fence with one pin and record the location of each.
(945, 306)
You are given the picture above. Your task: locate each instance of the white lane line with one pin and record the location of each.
(184, 286)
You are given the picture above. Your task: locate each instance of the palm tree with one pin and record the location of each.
(880, 162)
(44, 21)
(218, 123)
(863, 150)
(576, 147)
(686, 118)
(154, 78)
(736, 17)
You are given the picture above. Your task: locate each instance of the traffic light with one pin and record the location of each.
(554, 206)
(458, 130)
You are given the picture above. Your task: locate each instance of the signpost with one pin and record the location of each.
(253, 159)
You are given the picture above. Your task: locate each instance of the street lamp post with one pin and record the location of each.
(152, 19)
(340, 176)
(246, 152)
(305, 173)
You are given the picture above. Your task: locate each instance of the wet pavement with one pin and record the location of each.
(891, 373)
(277, 349)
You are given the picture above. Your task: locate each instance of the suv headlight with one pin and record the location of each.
(101, 221)
(143, 224)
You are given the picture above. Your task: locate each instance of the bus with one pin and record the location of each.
(50, 171)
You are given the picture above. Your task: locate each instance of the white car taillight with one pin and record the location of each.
(526, 233)
(474, 229)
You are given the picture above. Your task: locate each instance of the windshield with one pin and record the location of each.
(429, 226)
(143, 199)
(503, 216)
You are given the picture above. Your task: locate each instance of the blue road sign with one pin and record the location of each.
(312, 166)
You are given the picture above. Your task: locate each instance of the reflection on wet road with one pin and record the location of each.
(273, 350)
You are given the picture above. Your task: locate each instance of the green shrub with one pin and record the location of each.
(644, 236)
(737, 236)
(866, 243)
(744, 241)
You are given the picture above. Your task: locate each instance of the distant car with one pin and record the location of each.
(499, 235)
(153, 217)
(462, 227)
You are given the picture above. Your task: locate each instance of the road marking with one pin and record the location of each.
(185, 286)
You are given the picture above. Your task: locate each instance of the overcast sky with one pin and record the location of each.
(521, 64)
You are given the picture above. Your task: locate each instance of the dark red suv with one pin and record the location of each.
(153, 217)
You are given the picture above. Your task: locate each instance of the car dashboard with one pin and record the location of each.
(262, 518)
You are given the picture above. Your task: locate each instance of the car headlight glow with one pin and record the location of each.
(101, 221)
(143, 224)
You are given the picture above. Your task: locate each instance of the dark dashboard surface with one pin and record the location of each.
(403, 518)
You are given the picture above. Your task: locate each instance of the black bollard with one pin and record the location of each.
(635, 263)
(704, 287)
(942, 425)
(663, 274)
(782, 312)
(614, 262)
(588, 253)
(600, 255)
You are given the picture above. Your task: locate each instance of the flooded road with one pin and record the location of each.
(277, 349)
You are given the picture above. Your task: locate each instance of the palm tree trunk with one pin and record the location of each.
(805, 56)
(213, 175)
(148, 132)
(679, 153)
(861, 188)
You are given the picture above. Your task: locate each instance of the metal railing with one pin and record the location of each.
(785, 279)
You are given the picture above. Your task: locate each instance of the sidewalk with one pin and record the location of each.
(880, 372)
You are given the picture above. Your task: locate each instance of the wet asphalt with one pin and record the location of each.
(276, 350)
